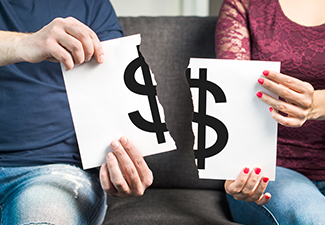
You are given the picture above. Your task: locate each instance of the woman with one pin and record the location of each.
(293, 32)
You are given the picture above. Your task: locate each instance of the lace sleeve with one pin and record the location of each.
(232, 39)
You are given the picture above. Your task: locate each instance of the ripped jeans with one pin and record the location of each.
(50, 194)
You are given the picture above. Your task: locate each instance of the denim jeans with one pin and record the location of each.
(51, 194)
(295, 200)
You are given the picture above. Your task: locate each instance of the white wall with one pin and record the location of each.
(195, 7)
(161, 7)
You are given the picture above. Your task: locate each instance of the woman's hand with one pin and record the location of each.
(125, 172)
(301, 101)
(247, 187)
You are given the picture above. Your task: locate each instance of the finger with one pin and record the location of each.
(283, 106)
(116, 176)
(86, 36)
(235, 187)
(98, 48)
(144, 172)
(299, 99)
(265, 198)
(257, 194)
(128, 167)
(105, 181)
(59, 53)
(289, 121)
(296, 115)
(250, 185)
(74, 46)
(288, 81)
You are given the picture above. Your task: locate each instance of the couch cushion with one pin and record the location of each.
(170, 206)
(167, 45)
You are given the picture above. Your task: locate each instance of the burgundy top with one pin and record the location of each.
(259, 30)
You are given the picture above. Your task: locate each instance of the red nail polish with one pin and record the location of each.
(265, 179)
(267, 197)
(259, 94)
(257, 171)
(260, 80)
(266, 72)
(271, 109)
(246, 170)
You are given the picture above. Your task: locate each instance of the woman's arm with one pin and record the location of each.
(232, 39)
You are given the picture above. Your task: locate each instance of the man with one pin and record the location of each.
(40, 178)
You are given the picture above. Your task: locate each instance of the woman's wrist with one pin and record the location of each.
(317, 111)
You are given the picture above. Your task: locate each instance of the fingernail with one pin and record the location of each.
(271, 109)
(259, 94)
(101, 59)
(114, 144)
(246, 170)
(265, 179)
(257, 171)
(88, 59)
(260, 80)
(267, 197)
(104, 166)
(266, 72)
(109, 156)
(123, 140)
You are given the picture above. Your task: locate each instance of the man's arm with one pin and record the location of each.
(63, 40)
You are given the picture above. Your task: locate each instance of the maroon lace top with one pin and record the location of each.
(259, 30)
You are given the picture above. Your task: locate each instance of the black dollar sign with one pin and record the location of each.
(147, 89)
(204, 120)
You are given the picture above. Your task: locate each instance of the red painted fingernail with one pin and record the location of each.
(271, 109)
(246, 170)
(266, 72)
(267, 197)
(259, 94)
(265, 179)
(257, 171)
(260, 80)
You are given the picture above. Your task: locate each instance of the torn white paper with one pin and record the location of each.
(113, 99)
(232, 127)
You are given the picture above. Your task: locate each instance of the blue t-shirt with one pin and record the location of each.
(35, 121)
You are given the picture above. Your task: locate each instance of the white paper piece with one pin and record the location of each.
(100, 102)
(251, 130)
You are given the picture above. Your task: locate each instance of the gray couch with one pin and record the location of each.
(177, 196)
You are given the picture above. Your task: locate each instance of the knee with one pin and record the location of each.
(58, 197)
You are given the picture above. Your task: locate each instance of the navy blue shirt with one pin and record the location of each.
(35, 121)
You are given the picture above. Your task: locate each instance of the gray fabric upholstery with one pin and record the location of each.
(169, 206)
(177, 195)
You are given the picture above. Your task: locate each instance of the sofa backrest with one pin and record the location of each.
(167, 45)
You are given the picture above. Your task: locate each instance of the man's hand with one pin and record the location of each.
(125, 173)
(63, 40)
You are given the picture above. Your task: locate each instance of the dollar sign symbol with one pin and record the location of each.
(204, 120)
(147, 89)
